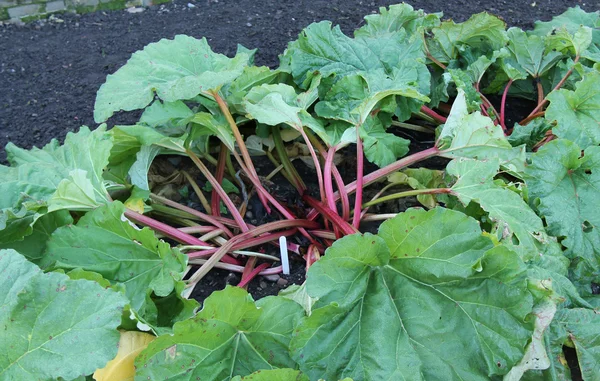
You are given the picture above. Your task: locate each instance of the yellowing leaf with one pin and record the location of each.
(121, 367)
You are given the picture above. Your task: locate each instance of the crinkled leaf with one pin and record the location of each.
(138, 173)
(475, 136)
(251, 77)
(278, 104)
(36, 173)
(30, 183)
(353, 97)
(580, 326)
(552, 265)
(517, 223)
(274, 375)
(529, 134)
(231, 336)
(528, 56)
(103, 241)
(396, 18)
(482, 32)
(166, 114)
(571, 20)
(173, 69)
(421, 178)
(330, 52)
(76, 192)
(564, 41)
(380, 147)
(567, 186)
(577, 113)
(206, 124)
(131, 138)
(33, 245)
(53, 326)
(429, 298)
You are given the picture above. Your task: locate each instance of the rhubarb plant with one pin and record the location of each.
(495, 272)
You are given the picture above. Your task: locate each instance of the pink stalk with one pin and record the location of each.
(327, 171)
(426, 110)
(503, 104)
(381, 172)
(339, 182)
(323, 234)
(217, 186)
(229, 245)
(170, 232)
(396, 166)
(317, 163)
(250, 242)
(253, 274)
(284, 211)
(197, 213)
(335, 219)
(197, 229)
(215, 199)
(360, 162)
(558, 86)
(248, 269)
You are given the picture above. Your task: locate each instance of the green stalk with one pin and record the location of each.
(240, 142)
(413, 127)
(414, 192)
(277, 164)
(193, 212)
(285, 161)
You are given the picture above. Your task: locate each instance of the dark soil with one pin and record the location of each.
(50, 71)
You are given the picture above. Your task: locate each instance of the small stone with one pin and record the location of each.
(190, 5)
(249, 214)
(262, 285)
(248, 24)
(135, 10)
(282, 282)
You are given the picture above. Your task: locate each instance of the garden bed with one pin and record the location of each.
(465, 154)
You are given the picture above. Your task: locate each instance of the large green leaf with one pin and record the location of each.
(396, 18)
(253, 76)
(568, 186)
(572, 19)
(231, 336)
(512, 216)
(53, 326)
(165, 113)
(482, 32)
(36, 173)
(206, 124)
(39, 178)
(528, 55)
(354, 96)
(330, 52)
(577, 113)
(103, 241)
(579, 327)
(427, 299)
(175, 70)
(274, 375)
(473, 135)
(380, 147)
(34, 245)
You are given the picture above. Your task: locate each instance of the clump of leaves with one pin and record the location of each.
(495, 274)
